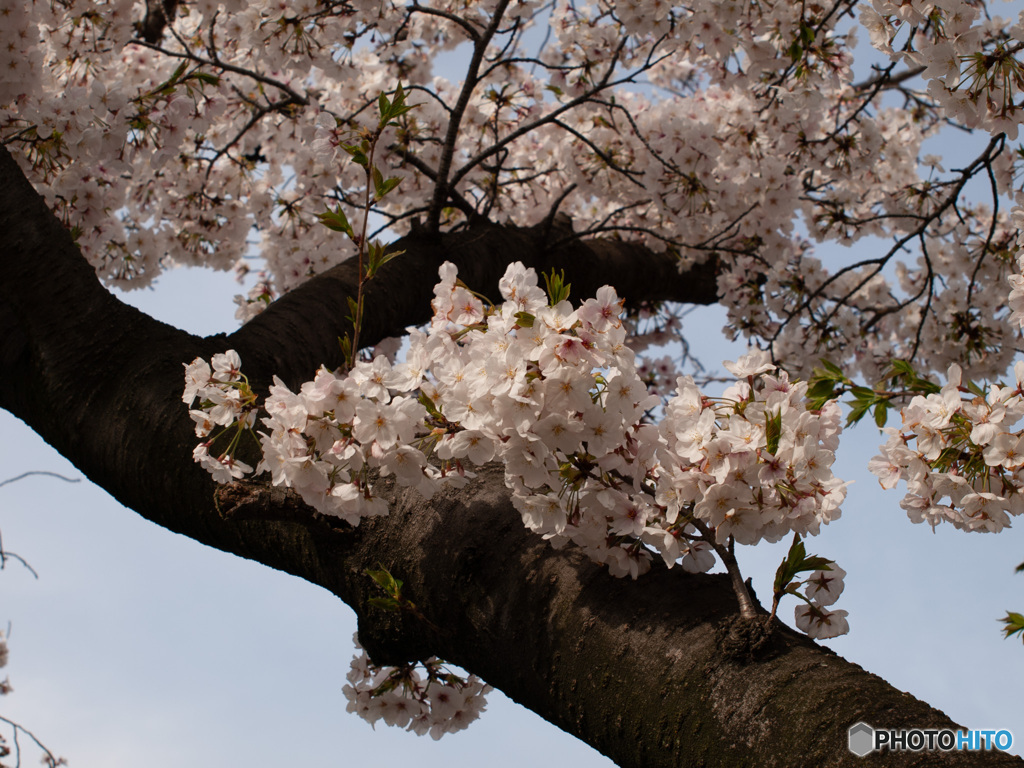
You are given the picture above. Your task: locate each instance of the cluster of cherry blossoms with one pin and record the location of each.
(970, 65)
(822, 589)
(258, 298)
(959, 454)
(554, 394)
(759, 122)
(323, 440)
(422, 698)
(225, 400)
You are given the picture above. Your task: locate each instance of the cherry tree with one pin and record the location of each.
(533, 457)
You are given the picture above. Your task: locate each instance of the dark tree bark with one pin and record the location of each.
(660, 671)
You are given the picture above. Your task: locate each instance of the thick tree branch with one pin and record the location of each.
(654, 672)
(400, 294)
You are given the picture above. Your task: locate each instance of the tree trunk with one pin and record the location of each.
(658, 671)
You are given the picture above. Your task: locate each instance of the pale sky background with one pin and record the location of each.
(137, 646)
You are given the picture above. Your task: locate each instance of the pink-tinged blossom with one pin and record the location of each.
(226, 406)
(628, 396)
(751, 364)
(380, 423)
(330, 392)
(406, 463)
(559, 432)
(226, 366)
(467, 309)
(561, 349)
(224, 469)
(628, 562)
(698, 558)
(1006, 450)
(203, 421)
(519, 287)
(197, 376)
(372, 378)
(559, 318)
(541, 513)
(287, 410)
(602, 431)
(568, 390)
(602, 312)
(824, 587)
(469, 444)
(693, 437)
(821, 623)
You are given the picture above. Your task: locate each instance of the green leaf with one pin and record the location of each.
(881, 413)
(427, 403)
(378, 257)
(558, 289)
(797, 561)
(816, 563)
(863, 400)
(974, 389)
(773, 431)
(1014, 624)
(177, 73)
(857, 412)
(825, 384)
(391, 255)
(206, 77)
(786, 570)
(353, 308)
(336, 221)
(834, 369)
(374, 253)
(382, 186)
(806, 34)
(388, 185)
(524, 319)
(166, 88)
(900, 368)
(358, 153)
(389, 110)
(821, 389)
(386, 581)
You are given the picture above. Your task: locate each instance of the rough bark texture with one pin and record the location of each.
(654, 672)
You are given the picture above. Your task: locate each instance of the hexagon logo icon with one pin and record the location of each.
(861, 739)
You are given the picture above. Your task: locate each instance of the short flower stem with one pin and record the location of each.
(357, 321)
(771, 616)
(747, 609)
